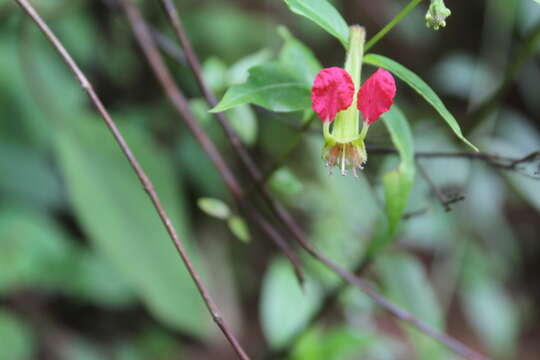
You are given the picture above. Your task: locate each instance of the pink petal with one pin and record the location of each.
(376, 96)
(333, 91)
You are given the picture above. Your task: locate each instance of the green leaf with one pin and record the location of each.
(397, 183)
(214, 207)
(405, 283)
(270, 86)
(285, 307)
(238, 227)
(121, 223)
(17, 340)
(298, 57)
(421, 88)
(323, 14)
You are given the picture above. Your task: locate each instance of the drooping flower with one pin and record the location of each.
(333, 99)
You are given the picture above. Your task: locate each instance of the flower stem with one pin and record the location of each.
(391, 24)
(346, 123)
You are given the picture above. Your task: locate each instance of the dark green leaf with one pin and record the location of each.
(421, 88)
(121, 222)
(323, 14)
(270, 86)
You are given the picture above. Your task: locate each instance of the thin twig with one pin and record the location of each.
(287, 220)
(391, 24)
(497, 161)
(175, 95)
(145, 181)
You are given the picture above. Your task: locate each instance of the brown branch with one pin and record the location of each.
(287, 220)
(497, 161)
(176, 97)
(145, 181)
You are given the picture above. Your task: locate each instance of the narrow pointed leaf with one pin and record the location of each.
(421, 88)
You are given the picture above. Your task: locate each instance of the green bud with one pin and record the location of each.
(437, 14)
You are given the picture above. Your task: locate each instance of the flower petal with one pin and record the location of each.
(376, 96)
(333, 91)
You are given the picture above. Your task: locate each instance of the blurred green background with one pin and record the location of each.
(88, 272)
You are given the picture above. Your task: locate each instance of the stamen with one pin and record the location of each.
(343, 171)
(345, 157)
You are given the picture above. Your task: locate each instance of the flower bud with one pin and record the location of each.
(437, 14)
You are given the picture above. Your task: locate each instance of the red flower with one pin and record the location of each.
(332, 92)
(376, 96)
